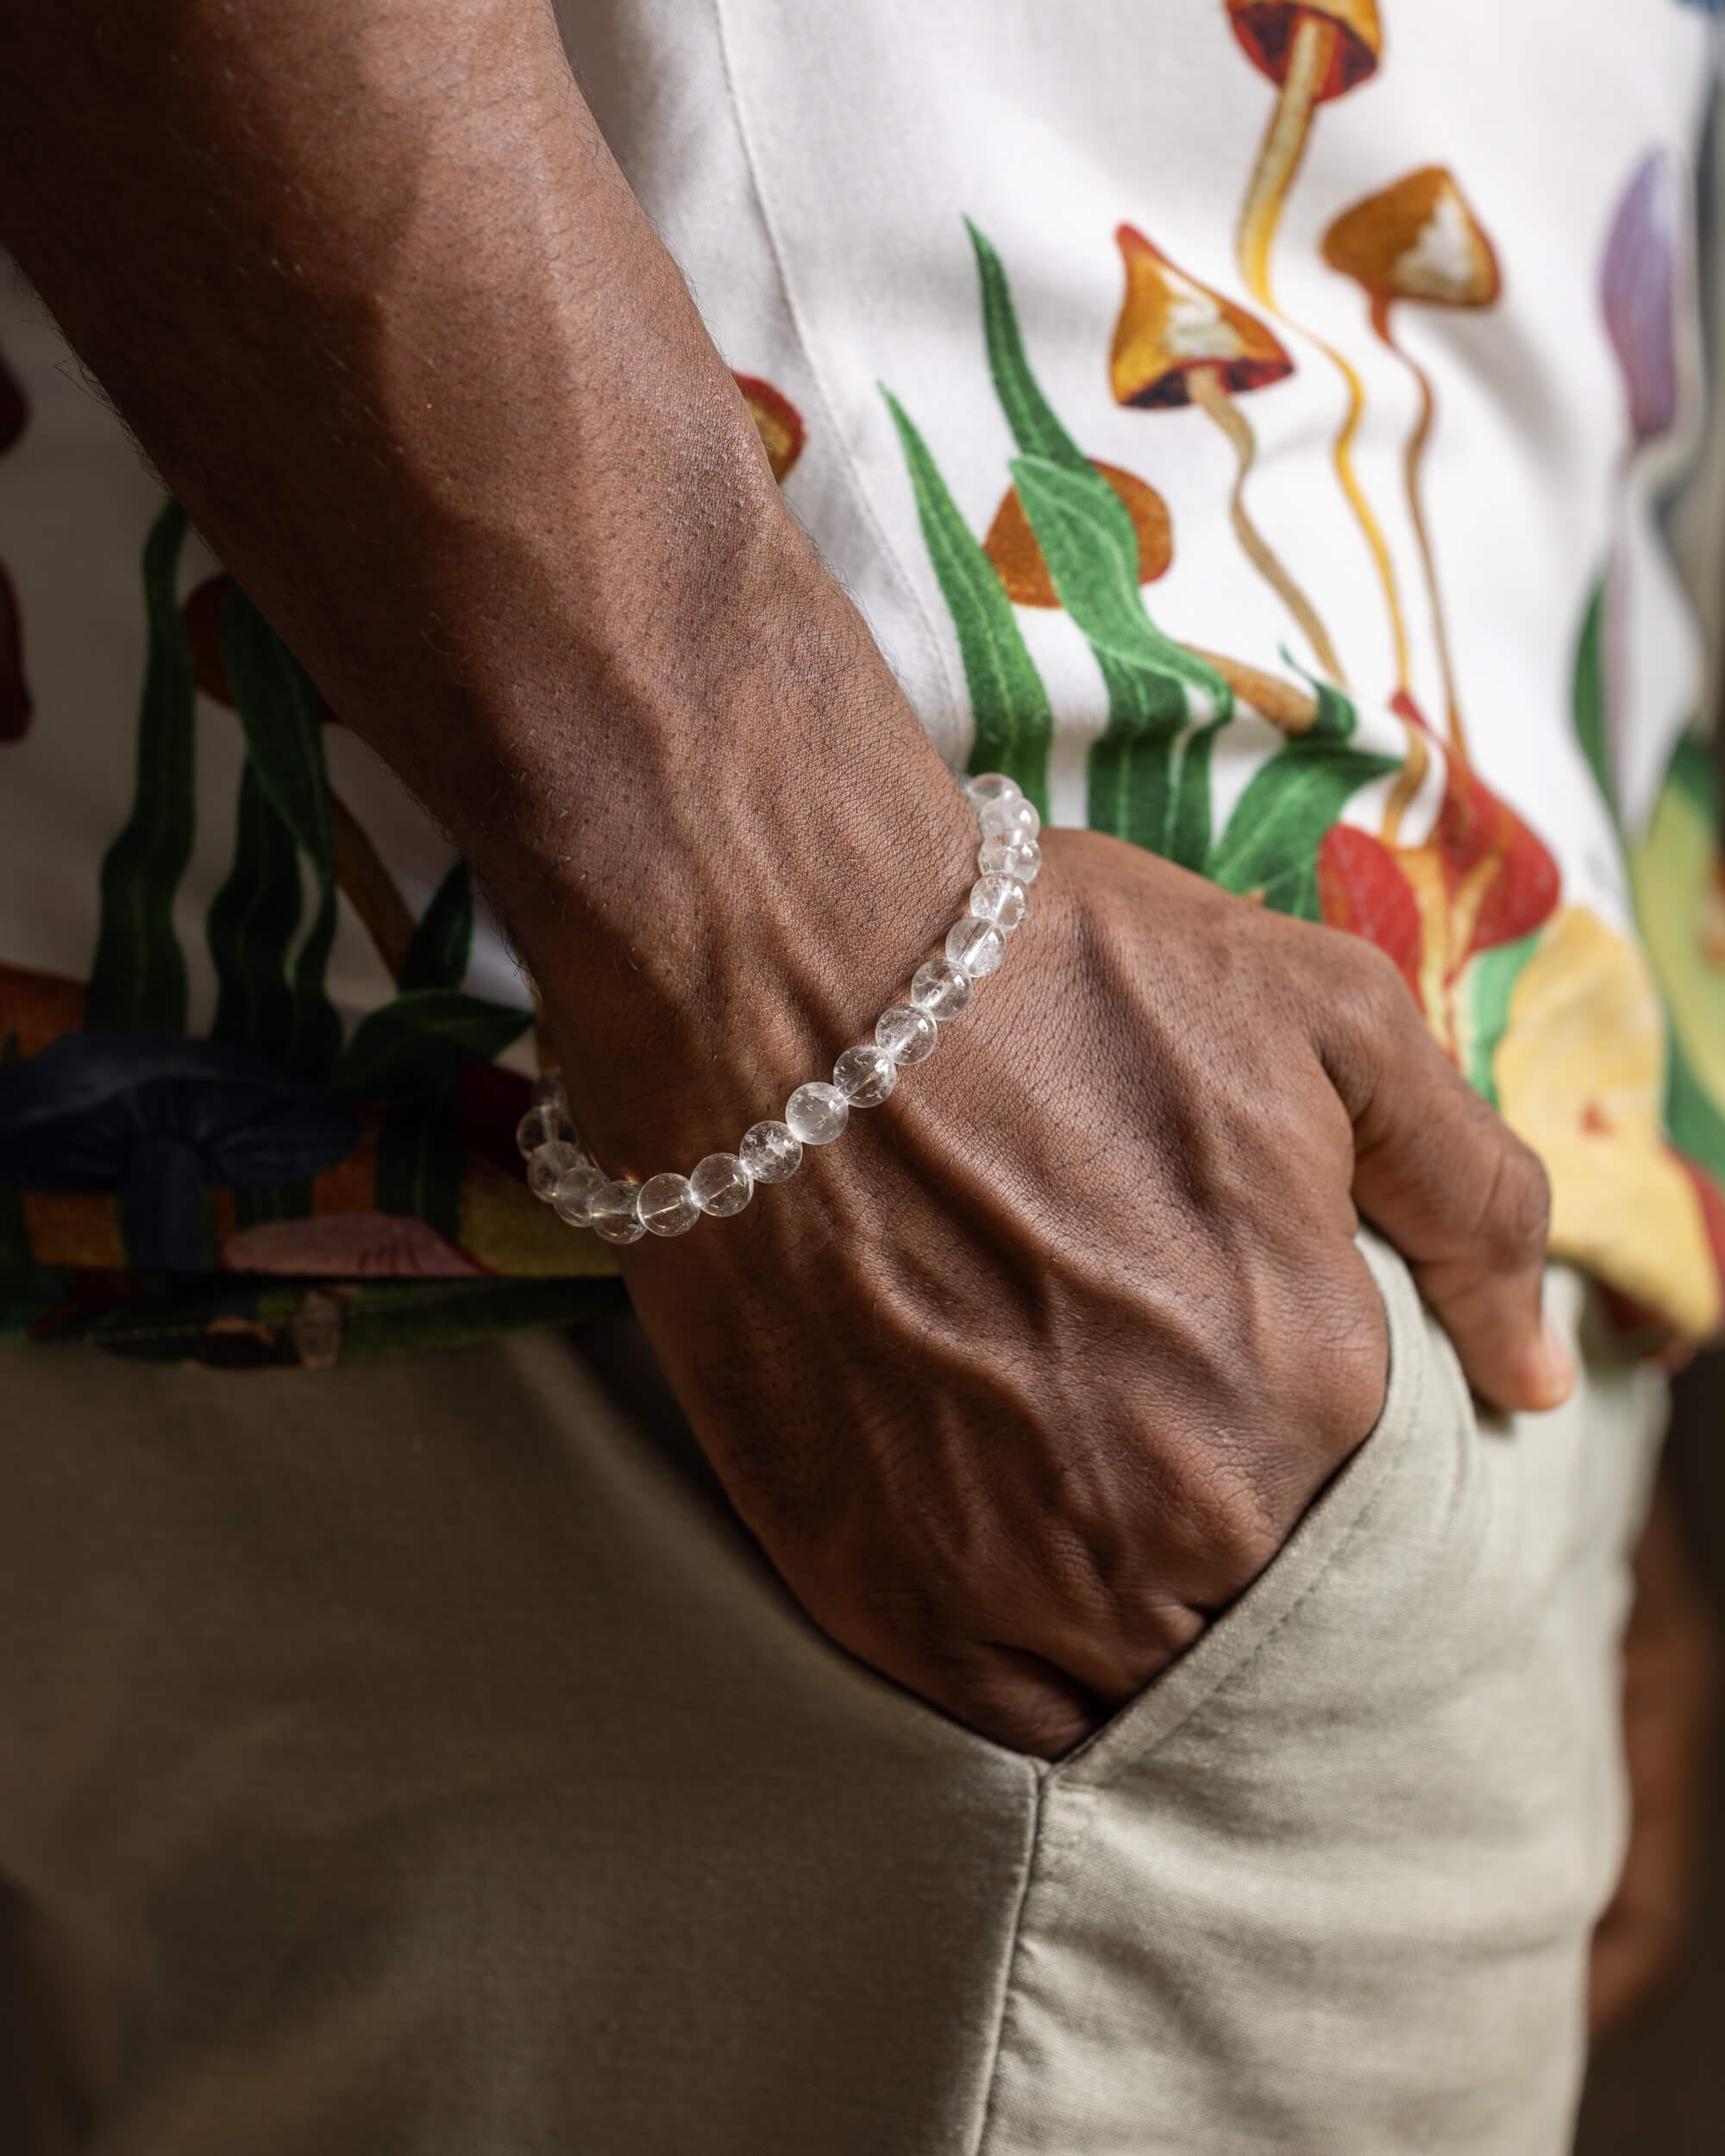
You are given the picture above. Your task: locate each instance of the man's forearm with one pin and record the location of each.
(366, 284)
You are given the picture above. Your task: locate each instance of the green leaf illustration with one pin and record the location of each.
(1028, 412)
(279, 710)
(419, 1045)
(1008, 702)
(1270, 843)
(137, 976)
(1148, 773)
(1337, 718)
(251, 926)
(1587, 693)
(1695, 1123)
(271, 1201)
(1490, 983)
(419, 1165)
(1088, 541)
(443, 943)
(1148, 776)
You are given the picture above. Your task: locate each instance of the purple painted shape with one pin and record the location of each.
(1638, 290)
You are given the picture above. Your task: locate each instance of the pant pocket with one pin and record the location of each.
(1325, 1888)
(1419, 1387)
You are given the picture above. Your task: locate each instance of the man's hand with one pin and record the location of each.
(1025, 1379)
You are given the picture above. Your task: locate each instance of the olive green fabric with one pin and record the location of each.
(416, 1758)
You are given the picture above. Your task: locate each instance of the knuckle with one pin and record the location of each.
(1516, 1216)
(1235, 1521)
(1373, 992)
(1013, 1707)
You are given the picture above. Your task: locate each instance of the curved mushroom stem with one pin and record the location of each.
(1409, 781)
(1206, 390)
(163, 1209)
(1310, 55)
(1412, 458)
(1289, 707)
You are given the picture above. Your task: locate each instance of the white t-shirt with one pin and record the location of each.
(1248, 424)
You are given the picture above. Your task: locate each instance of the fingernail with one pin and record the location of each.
(1554, 1370)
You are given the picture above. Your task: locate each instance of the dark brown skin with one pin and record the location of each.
(1030, 1376)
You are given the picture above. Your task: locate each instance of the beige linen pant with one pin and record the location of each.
(418, 1759)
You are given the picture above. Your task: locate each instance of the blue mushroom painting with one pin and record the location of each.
(159, 1116)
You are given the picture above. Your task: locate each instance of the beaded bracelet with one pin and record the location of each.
(567, 1178)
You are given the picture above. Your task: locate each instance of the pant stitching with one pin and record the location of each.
(991, 2079)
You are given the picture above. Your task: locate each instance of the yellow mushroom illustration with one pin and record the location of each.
(1418, 240)
(1178, 342)
(1313, 51)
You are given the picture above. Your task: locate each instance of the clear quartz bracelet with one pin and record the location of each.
(564, 1174)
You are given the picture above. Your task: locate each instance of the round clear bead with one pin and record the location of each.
(1017, 857)
(547, 1165)
(991, 786)
(771, 1151)
(865, 1075)
(615, 1213)
(907, 1034)
(1009, 819)
(540, 1125)
(1002, 899)
(817, 1112)
(940, 988)
(668, 1204)
(722, 1185)
(976, 946)
(549, 1092)
(573, 1196)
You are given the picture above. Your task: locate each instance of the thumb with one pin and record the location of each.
(1446, 1180)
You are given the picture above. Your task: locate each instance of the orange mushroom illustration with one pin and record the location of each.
(777, 420)
(1418, 240)
(1313, 51)
(1012, 544)
(1178, 342)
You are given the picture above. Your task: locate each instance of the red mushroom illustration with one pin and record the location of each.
(359, 1245)
(1313, 51)
(1418, 241)
(1481, 878)
(1178, 342)
(777, 420)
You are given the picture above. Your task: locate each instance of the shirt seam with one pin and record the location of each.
(859, 491)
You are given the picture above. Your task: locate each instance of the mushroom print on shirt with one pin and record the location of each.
(289, 1173)
(1550, 1009)
(1248, 423)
